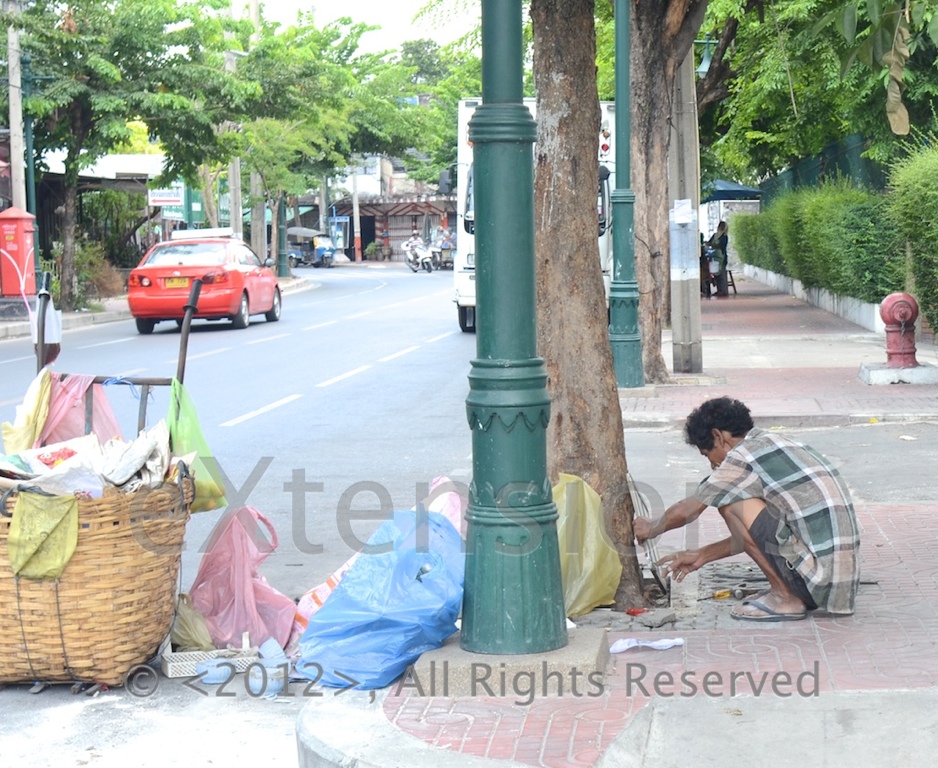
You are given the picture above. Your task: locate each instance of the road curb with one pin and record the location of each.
(354, 731)
(783, 421)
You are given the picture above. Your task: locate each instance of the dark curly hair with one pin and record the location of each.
(720, 413)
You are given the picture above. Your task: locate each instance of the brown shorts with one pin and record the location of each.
(763, 530)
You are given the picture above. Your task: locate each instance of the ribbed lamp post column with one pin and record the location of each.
(623, 291)
(513, 601)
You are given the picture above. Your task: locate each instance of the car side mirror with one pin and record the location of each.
(269, 262)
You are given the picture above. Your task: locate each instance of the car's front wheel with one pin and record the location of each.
(273, 314)
(243, 317)
(145, 326)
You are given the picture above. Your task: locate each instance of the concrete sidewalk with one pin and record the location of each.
(836, 691)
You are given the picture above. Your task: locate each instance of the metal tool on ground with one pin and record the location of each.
(640, 507)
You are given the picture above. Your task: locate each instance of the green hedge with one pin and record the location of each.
(913, 198)
(834, 236)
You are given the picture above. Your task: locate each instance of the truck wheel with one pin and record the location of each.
(467, 319)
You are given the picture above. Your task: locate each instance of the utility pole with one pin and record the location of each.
(17, 164)
(684, 183)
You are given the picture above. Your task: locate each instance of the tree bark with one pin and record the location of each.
(585, 434)
(68, 274)
(208, 178)
(662, 34)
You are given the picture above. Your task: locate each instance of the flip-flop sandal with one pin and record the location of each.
(765, 613)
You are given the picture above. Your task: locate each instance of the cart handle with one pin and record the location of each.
(190, 307)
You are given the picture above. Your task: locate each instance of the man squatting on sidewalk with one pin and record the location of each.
(785, 507)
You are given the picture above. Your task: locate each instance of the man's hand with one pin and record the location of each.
(643, 529)
(679, 564)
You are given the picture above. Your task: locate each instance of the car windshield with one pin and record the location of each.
(188, 254)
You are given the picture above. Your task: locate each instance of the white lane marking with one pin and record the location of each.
(260, 411)
(203, 354)
(17, 359)
(441, 336)
(108, 343)
(360, 314)
(320, 325)
(343, 376)
(399, 354)
(269, 338)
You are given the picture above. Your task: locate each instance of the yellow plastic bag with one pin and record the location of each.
(185, 435)
(190, 631)
(589, 565)
(31, 416)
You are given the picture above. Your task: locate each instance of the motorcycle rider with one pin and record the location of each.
(417, 253)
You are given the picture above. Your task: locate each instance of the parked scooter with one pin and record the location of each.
(417, 254)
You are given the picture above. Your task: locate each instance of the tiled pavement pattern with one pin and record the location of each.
(889, 643)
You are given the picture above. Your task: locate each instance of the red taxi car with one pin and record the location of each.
(235, 283)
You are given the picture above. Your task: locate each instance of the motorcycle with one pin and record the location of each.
(417, 254)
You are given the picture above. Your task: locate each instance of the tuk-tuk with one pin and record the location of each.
(307, 247)
(323, 251)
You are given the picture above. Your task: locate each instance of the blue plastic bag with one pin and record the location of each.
(390, 607)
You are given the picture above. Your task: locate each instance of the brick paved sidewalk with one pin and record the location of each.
(792, 364)
(886, 645)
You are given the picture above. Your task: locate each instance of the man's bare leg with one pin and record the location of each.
(739, 517)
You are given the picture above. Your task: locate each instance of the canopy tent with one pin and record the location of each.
(721, 189)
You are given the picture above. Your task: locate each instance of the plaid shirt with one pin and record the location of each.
(817, 527)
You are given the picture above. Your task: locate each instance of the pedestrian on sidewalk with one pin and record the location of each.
(785, 507)
(719, 241)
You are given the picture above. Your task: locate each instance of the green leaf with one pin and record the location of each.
(874, 10)
(933, 28)
(847, 23)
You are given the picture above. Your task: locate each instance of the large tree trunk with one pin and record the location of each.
(662, 34)
(67, 273)
(585, 435)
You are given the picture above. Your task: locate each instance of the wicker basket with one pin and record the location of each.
(113, 605)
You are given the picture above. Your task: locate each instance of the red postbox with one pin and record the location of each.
(17, 253)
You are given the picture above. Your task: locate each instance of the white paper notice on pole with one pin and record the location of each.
(683, 212)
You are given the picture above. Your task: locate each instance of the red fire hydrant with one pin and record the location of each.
(899, 312)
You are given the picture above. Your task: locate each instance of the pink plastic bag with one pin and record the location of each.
(66, 417)
(229, 592)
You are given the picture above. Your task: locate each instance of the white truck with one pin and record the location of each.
(464, 259)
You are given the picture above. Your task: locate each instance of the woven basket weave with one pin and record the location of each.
(113, 605)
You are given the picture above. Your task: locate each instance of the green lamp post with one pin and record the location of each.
(623, 291)
(513, 601)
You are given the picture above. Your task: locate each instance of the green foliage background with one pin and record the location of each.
(838, 237)
(913, 203)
